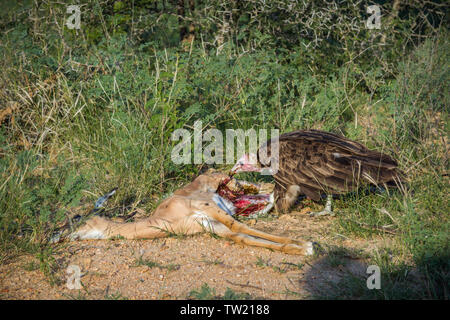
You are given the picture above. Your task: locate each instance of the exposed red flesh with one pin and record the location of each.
(245, 204)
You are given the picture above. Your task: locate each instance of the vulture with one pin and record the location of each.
(316, 163)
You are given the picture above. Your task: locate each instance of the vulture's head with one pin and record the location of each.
(248, 162)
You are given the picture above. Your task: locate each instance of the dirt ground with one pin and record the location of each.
(174, 267)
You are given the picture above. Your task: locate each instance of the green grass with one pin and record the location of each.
(115, 296)
(83, 112)
(283, 267)
(31, 266)
(205, 292)
(153, 264)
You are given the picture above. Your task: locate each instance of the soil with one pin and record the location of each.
(171, 268)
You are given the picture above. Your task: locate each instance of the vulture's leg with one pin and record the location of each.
(325, 212)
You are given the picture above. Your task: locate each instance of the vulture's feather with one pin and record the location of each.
(324, 163)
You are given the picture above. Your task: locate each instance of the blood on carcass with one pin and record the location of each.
(244, 197)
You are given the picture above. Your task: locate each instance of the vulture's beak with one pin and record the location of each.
(236, 168)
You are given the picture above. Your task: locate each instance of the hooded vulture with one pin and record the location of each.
(316, 163)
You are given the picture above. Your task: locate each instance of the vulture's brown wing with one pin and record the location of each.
(321, 162)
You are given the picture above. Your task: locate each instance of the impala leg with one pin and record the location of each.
(241, 233)
(102, 228)
(290, 248)
(300, 248)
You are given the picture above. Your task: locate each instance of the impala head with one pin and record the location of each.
(247, 163)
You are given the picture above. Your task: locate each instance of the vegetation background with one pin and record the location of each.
(85, 110)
